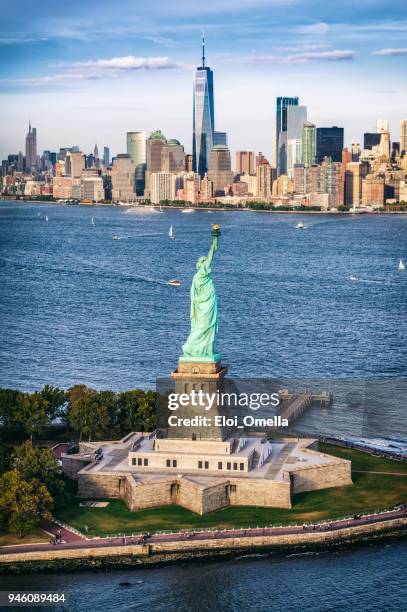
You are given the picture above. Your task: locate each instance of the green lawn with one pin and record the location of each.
(10, 539)
(369, 492)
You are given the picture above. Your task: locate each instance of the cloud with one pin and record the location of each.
(314, 28)
(390, 52)
(97, 69)
(129, 62)
(301, 58)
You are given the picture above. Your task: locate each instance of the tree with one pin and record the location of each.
(108, 407)
(56, 399)
(31, 413)
(34, 463)
(128, 415)
(8, 404)
(147, 411)
(22, 504)
(86, 414)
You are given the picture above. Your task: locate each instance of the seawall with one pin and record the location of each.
(156, 553)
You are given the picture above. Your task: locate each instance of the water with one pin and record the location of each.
(77, 306)
(365, 579)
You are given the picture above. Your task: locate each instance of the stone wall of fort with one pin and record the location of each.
(106, 484)
(269, 493)
(321, 476)
(72, 464)
(139, 495)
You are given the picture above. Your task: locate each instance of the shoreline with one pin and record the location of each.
(71, 557)
(129, 557)
(213, 208)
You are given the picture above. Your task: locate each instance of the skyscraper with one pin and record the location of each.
(296, 118)
(329, 143)
(31, 148)
(136, 148)
(371, 139)
(106, 156)
(219, 171)
(403, 136)
(281, 128)
(203, 116)
(382, 125)
(245, 162)
(122, 178)
(309, 143)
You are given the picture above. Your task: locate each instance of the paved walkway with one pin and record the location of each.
(73, 541)
(67, 535)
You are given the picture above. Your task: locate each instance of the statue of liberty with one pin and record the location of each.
(204, 310)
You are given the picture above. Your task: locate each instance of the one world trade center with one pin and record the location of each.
(203, 116)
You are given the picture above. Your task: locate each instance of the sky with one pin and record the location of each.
(88, 72)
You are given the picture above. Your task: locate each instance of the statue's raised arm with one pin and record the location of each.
(204, 309)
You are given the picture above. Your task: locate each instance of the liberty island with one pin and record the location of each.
(202, 462)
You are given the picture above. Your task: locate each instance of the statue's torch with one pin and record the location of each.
(216, 230)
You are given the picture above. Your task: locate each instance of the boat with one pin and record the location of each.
(300, 225)
(174, 282)
(171, 232)
(353, 278)
(115, 237)
(46, 218)
(401, 266)
(120, 203)
(187, 210)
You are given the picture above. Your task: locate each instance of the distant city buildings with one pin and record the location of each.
(220, 170)
(312, 166)
(282, 105)
(31, 149)
(136, 148)
(329, 143)
(123, 177)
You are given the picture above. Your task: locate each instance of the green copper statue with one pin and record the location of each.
(204, 310)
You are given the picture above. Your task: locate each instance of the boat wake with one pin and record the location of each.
(355, 279)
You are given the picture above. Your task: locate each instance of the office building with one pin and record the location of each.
(329, 143)
(74, 163)
(245, 162)
(264, 180)
(219, 171)
(154, 148)
(203, 116)
(31, 149)
(162, 187)
(172, 157)
(373, 191)
(355, 173)
(309, 143)
(106, 156)
(123, 178)
(371, 139)
(382, 125)
(136, 148)
(403, 137)
(282, 105)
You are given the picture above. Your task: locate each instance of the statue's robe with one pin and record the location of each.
(204, 315)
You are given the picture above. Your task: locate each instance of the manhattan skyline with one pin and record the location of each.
(100, 72)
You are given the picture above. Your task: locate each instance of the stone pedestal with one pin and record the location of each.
(206, 377)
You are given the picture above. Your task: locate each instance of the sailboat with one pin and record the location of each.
(46, 218)
(171, 232)
(401, 266)
(93, 221)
